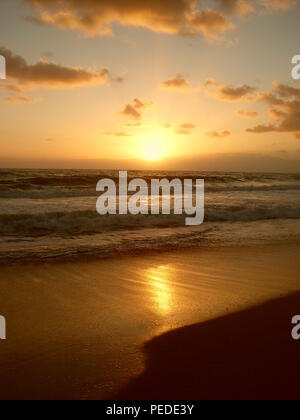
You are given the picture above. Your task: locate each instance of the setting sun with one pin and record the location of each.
(156, 146)
(153, 147)
(152, 151)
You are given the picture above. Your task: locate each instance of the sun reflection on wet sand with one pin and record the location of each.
(158, 279)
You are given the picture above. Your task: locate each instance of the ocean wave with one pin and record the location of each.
(88, 222)
(91, 192)
(144, 241)
(50, 184)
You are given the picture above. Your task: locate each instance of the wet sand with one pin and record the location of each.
(78, 330)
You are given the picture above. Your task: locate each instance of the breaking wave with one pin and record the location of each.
(52, 214)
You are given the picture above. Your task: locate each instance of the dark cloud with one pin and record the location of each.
(261, 129)
(229, 92)
(135, 109)
(183, 17)
(210, 23)
(43, 74)
(178, 83)
(284, 109)
(48, 74)
(94, 17)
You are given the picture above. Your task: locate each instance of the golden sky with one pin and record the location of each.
(146, 81)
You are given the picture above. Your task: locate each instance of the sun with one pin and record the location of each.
(152, 152)
(153, 147)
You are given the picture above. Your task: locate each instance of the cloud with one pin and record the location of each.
(278, 5)
(284, 109)
(48, 74)
(261, 129)
(118, 79)
(210, 23)
(133, 125)
(285, 91)
(244, 7)
(16, 95)
(185, 129)
(174, 17)
(178, 83)
(219, 135)
(236, 7)
(135, 109)
(96, 18)
(229, 92)
(188, 126)
(247, 114)
(43, 74)
(182, 132)
(130, 111)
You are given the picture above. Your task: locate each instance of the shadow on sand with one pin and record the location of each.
(246, 355)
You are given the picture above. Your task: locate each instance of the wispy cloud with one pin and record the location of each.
(117, 134)
(185, 129)
(247, 114)
(236, 7)
(278, 5)
(219, 135)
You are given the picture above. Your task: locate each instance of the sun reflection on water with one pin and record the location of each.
(158, 279)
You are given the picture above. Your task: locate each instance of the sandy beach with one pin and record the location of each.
(166, 325)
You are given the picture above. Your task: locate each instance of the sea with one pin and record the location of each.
(51, 215)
